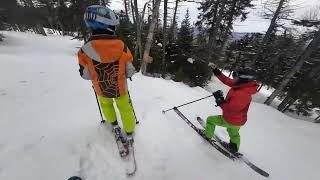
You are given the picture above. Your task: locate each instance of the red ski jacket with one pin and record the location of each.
(238, 99)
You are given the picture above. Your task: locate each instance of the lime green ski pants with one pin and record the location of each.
(233, 131)
(124, 107)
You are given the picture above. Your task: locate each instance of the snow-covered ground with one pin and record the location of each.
(49, 124)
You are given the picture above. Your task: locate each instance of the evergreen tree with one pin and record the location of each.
(185, 35)
(181, 61)
(217, 16)
(240, 52)
(278, 59)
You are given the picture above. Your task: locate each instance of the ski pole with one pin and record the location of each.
(134, 113)
(102, 120)
(164, 111)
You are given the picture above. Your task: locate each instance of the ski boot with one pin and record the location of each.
(128, 143)
(231, 147)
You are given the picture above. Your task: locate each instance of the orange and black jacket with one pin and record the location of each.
(107, 61)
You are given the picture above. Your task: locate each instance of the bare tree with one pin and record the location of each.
(174, 21)
(133, 12)
(126, 4)
(164, 32)
(139, 23)
(214, 30)
(273, 25)
(146, 57)
(138, 29)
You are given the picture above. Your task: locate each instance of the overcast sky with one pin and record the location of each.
(254, 23)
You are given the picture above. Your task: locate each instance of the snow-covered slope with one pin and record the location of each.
(49, 124)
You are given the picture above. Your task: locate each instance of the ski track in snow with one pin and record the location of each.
(49, 123)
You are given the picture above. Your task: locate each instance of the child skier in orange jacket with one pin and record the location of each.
(107, 62)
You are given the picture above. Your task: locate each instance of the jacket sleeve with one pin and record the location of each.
(225, 80)
(236, 103)
(83, 63)
(130, 69)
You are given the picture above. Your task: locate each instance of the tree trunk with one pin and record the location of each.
(61, 27)
(149, 40)
(271, 28)
(302, 58)
(50, 21)
(126, 8)
(139, 43)
(40, 29)
(164, 32)
(132, 10)
(138, 29)
(285, 104)
(229, 26)
(173, 26)
(214, 31)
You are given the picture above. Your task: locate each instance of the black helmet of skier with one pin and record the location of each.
(245, 75)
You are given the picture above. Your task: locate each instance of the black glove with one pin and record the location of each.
(219, 97)
(216, 71)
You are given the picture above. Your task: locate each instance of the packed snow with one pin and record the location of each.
(50, 125)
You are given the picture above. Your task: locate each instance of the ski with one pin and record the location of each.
(237, 156)
(130, 159)
(119, 141)
(126, 151)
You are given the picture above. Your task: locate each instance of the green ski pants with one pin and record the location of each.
(233, 131)
(124, 107)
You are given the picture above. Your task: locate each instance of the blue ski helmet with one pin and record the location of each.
(100, 17)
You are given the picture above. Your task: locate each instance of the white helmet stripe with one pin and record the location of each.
(247, 77)
(107, 21)
(114, 16)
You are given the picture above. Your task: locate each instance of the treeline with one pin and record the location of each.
(61, 16)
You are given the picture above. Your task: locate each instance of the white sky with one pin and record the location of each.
(254, 23)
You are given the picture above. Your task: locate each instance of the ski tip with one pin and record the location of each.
(75, 178)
